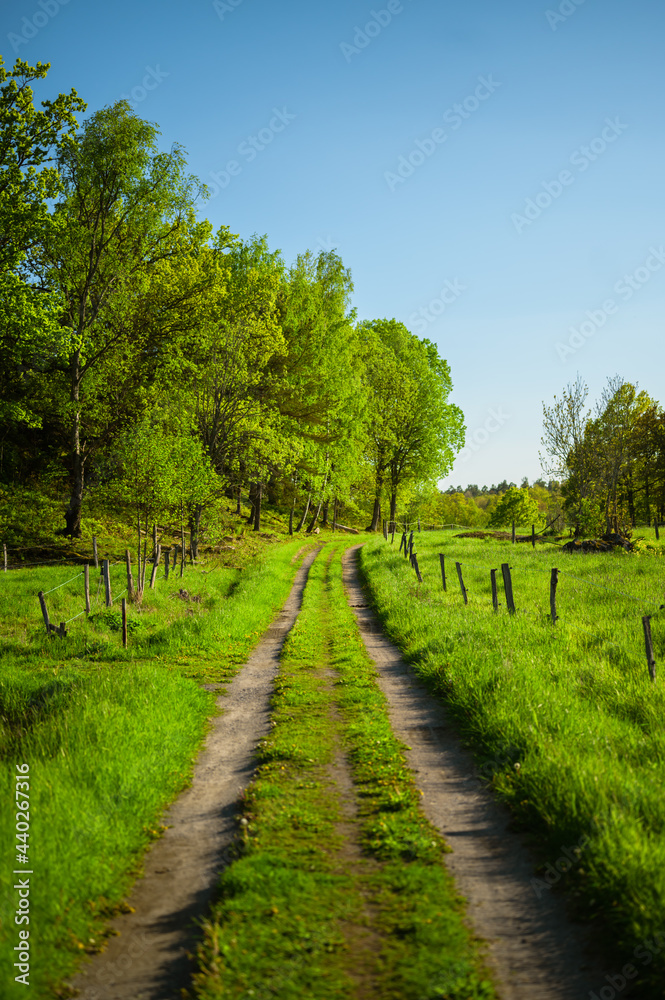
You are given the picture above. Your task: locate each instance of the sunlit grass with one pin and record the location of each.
(564, 718)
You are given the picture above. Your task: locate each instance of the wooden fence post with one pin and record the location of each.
(442, 560)
(182, 553)
(495, 595)
(4, 553)
(513, 532)
(392, 540)
(124, 622)
(130, 578)
(553, 583)
(458, 566)
(166, 564)
(42, 601)
(648, 645)
(155, 566)
(411, 544)
(418, 525)
(107, 582)
(655, 524)
(508, 587)
(94, 551)
(86, 583)
(533, 535)
(416, 567)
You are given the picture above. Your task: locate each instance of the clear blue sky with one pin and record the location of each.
(560, 104)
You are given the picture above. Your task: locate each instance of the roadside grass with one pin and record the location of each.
(563, 719)
(110, 735)
(295, 913)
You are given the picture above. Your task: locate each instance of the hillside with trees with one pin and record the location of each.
(152, 366)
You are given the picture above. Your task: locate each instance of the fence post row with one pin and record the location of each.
(94, 551)
(107, 581)
(458, 567)
(648, 645)
(553, 584)
(416, 567)
(495, 595)
(124, 622)
(86, 584)
(442, 560)
(508, 587)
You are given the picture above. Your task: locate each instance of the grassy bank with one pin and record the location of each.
(564, 719)
(109, 735)
(337, 891)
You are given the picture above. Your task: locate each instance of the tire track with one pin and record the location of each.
(533, 948)
(148, 959)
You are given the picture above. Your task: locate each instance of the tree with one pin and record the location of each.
(413, 431)
(514, 505)
(31, 141)
(125, 217)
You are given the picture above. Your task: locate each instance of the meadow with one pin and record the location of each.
(564, 720)
(109, 735)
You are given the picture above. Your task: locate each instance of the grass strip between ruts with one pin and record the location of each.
(289, 909)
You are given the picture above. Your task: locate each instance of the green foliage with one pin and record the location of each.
(514, 505)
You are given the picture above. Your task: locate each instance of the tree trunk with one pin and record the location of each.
(73, 512)
(257, 507)
(304, 513)
(393, 510)
(376, 515)
(324, 514)
(252, 502)
(194, 525)
(315, 518)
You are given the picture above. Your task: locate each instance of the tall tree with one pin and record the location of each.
(413, 431)
(126, 215)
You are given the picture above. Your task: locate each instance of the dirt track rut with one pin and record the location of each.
(534, 949)
(148, 959)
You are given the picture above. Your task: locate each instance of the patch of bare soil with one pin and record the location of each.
(148, 959)
(536, 952)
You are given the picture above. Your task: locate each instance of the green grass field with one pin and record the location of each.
(299, 914)
(109, 735)
(564, 720)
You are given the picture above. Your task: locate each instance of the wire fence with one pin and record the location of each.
(650, 605)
